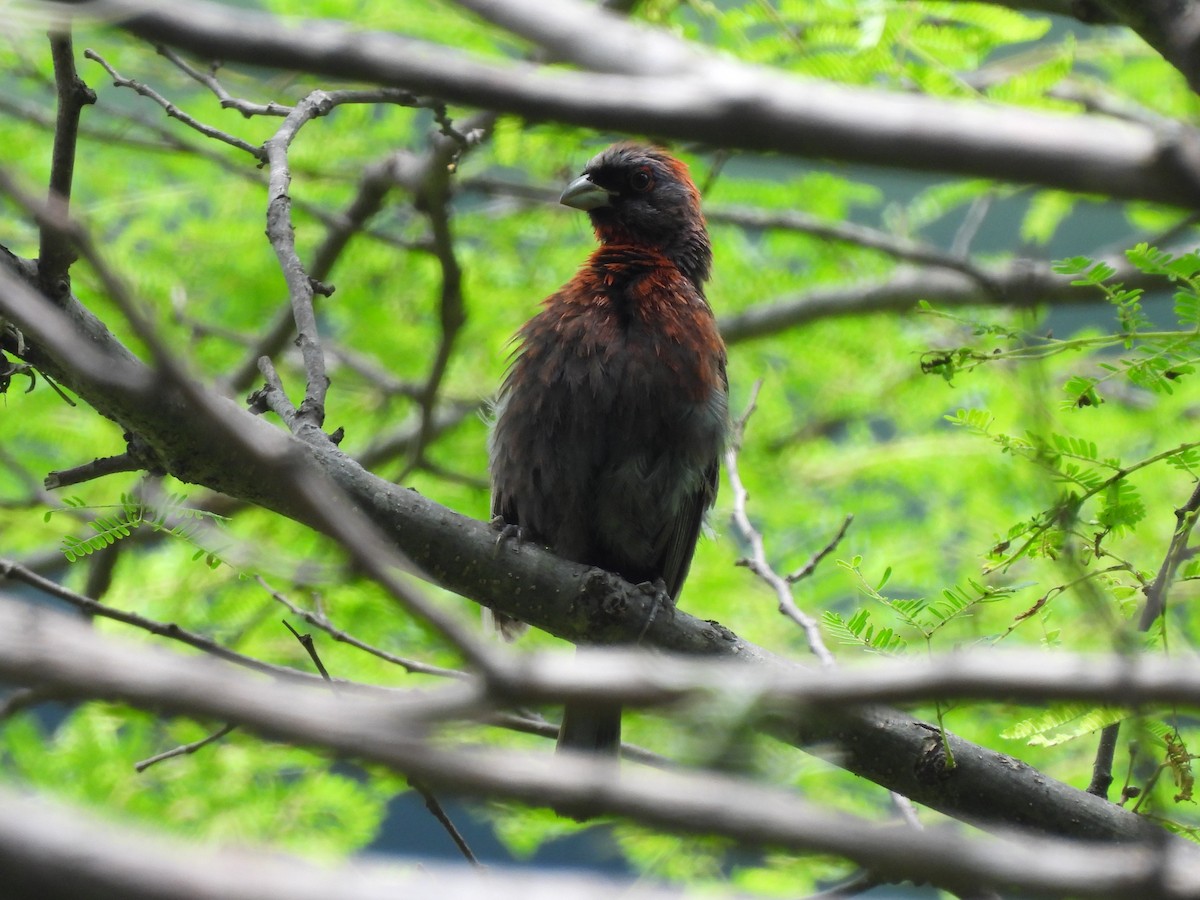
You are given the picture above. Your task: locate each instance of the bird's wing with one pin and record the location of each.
(685, 529)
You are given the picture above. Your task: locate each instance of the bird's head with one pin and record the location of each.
(643, 195)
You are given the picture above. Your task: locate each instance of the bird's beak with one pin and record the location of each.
(585, 194)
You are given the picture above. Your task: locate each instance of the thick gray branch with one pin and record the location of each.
(55, 651)
(716, 100)
(49, 851)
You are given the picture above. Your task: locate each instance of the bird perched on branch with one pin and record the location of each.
(611, 421)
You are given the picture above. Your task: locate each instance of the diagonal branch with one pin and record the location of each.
(174, 111)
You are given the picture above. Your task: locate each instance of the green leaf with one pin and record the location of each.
(1064, 723)
(1046, 212)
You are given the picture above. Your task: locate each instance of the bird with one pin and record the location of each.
(610, 423)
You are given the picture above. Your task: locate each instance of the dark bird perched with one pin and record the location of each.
(611, 421)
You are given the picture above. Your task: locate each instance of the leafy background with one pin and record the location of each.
(939, 468)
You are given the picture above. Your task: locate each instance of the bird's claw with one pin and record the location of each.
(507, 531)
(659, 600)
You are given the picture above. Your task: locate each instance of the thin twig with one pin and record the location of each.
(246, 107)
(184, 749)
(809, 567)
(438, 812)
(319, 620)
(400, 443)
(431, 802)
(972, 222)
(756, 562)
(174, 111)
(17, 572)
(432, 197)
(272, 396)
(97, 468)
(306, 641)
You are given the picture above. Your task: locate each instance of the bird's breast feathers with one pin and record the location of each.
(631, 319)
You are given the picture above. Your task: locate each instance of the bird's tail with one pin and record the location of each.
(503, 626)
(591, 728)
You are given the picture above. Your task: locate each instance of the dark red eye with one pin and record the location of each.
(641, 180)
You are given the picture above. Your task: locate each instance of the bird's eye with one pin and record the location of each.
(641, 180)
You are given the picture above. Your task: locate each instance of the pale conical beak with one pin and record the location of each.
(585, 194)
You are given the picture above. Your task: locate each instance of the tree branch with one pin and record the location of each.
(174, 111)
(55, 253)
(1021, 282)
(713, 100)
(53, 651)
(50, 850)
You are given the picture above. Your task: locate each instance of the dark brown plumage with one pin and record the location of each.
(612, 418)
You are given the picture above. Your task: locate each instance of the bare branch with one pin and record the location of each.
(183, 749)
(397, 168)
(283, 238)
(174, 111)
(50, 850)
(55, 253)
(135, 459)
(318, 620)
(46, 649)
(439, 812)
(757, 561)
(14, 571)
(1021, 282)
(209, 80)
(1156, 594)
(432, 196)
(809, 567)
(712, 99)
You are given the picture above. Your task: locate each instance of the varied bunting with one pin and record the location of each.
(611, 421)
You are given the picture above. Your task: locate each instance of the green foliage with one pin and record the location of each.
(1024, 495)
(172, 517)
(1047, 211)
(243, 791)
(1064, 723)
(858, 629)
(920, 616)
